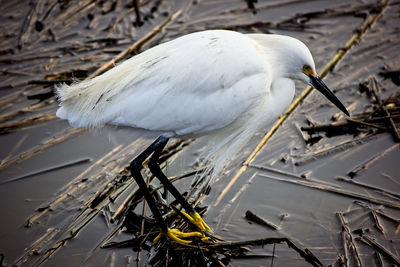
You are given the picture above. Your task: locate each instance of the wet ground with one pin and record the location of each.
(325, 184)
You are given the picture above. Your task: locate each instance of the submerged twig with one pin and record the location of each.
(374, 90)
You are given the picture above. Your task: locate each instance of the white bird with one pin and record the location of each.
(224, 84)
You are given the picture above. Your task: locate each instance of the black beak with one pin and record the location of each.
(318, 84)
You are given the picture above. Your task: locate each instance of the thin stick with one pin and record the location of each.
(254, 218)
(379, 258)
(352, 120)
(292, 175)
(336, 191)
(50, 169)
(328, 67)
(366, 239)
(351, 181)
(362, 204)
(369, 162)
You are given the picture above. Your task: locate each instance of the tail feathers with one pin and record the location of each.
(78, 104)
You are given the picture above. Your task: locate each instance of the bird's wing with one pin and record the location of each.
(193, 84)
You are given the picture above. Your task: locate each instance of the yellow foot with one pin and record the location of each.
(195, 218)
(176, 235)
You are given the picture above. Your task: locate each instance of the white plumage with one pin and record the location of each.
(221, 83)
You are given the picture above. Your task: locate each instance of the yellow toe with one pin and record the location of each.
(177, 236)
(195, 218)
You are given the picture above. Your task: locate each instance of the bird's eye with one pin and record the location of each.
(306, 69)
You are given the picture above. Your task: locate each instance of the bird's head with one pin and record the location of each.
(295, 61)
(315, 81)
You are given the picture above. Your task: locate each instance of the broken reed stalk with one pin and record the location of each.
(292, 175)
(25, 25)
(369, 162)
(352, 181)
(261, 221)
(394, 220)
(379, 259)
(377, 223)
(339, 126)
(369, 241)
(347, 236)
(357, 34)
(50, 169)
(342, 146)
(336, 191)
(346, 258)
(392, 125)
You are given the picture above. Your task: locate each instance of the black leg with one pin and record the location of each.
(136, 166)
(156, 170)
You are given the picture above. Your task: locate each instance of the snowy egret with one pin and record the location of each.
(224, 84)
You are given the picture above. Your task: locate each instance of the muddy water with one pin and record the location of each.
(306, 215)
